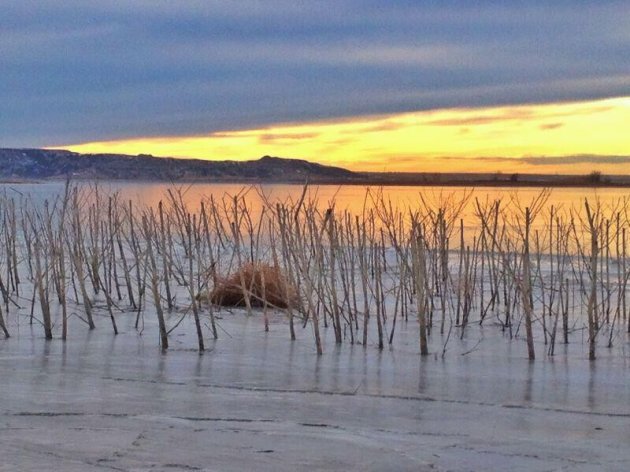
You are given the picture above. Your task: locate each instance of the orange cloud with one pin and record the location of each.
(275, 137)
(550, 126)
(424, 141)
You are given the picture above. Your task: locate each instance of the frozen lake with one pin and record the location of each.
(346, 197)
(256, 401)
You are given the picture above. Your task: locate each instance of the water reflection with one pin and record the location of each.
(345, 197)
(529, 383)
(97, 362)
(356, 198)
(591, 385)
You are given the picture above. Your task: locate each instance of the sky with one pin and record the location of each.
(466, 85)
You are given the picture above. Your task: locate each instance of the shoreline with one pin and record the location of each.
(436, 181)
(42, 165)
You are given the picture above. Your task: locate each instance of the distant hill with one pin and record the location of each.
(43, 164)
(55, 164)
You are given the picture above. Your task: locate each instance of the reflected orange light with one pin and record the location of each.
(448, 140)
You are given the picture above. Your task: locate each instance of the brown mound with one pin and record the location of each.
(265, 284)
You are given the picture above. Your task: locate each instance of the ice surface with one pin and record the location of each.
(257, 401)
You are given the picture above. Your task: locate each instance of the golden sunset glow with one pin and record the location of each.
(507, 138)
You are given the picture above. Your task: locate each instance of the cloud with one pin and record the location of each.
(581, 159)
(551, 160)
(468, 121)
(271, 138)
(384, 126)
(87, 70)
(549, 126)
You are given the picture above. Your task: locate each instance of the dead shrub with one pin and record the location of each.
(263, 282)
